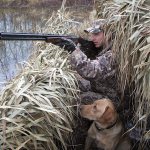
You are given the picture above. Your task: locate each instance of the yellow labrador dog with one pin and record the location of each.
(106, 130)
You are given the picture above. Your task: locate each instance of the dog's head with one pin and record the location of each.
(101, 110)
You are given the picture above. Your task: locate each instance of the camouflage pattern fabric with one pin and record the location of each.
(100, 72)
(91, 69)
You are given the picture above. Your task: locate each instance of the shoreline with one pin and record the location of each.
(42, 3)
(28, 4)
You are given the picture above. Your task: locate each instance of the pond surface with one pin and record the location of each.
(14, 52)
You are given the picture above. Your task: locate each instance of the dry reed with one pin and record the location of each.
(130, 22)
(37, 105)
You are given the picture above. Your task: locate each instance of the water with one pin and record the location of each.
(24, 20)
(14, 52)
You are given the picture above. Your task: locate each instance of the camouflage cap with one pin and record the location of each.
(97, 26)
(93, 29)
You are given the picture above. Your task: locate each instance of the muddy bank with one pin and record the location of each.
(42, 3)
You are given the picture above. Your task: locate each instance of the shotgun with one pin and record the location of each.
(68, 42)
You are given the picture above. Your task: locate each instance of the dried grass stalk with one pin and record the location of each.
(37, 105)
(130, 21)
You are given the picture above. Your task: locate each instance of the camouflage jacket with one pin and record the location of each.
(100, 72)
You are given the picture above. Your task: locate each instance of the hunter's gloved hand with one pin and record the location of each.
(67, 44)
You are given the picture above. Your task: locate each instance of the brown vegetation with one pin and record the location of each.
(130, 23)
(42, 3)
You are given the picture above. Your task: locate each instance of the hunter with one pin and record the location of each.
(99, 72)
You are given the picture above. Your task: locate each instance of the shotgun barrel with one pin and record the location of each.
(31, 36)
(68, 42)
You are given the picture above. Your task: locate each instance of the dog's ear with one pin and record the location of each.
(107, 116)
